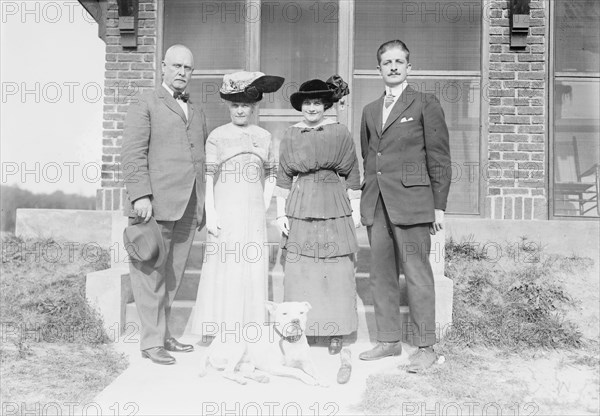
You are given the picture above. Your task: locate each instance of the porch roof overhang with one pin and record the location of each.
(98, 10)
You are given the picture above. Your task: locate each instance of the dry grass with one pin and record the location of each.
(490, 381)
(53, 345)
(516, 301)
(520, 343)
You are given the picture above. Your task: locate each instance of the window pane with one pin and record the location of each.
(440, 35)
(577, 35)
(460, 100)
(200, 25)
(298, 42)
(276, 126)
(204, 92)
(576, 147)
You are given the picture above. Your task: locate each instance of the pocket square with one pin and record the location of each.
(405, 120)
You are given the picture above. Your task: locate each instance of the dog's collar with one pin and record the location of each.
(291, 338)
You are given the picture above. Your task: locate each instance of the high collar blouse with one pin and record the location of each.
(317, 165)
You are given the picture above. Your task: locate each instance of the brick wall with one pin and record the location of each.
(517, 145)
(128, 73)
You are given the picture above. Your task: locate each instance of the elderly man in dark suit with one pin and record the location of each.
(406, 154)
(163, 157)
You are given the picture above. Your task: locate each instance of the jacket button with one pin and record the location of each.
(379, 173)
(378, 153)
(192, 145)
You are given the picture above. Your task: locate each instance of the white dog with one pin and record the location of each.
(279, 348)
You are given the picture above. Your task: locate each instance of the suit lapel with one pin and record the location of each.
(190, 113)
(403, 102)
(377, 114)
(171, 103)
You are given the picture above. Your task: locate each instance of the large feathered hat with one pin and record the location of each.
(248, 87)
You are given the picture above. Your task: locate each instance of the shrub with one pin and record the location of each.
(514, 301)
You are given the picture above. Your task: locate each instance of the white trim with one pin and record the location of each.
(368, 73)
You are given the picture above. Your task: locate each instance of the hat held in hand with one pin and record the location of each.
(144, 243)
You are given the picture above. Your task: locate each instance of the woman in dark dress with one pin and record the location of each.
(318, 191)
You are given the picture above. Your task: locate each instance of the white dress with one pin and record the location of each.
(234, 282)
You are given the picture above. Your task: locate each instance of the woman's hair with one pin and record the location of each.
(327, 104)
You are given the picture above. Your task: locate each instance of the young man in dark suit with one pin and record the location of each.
(406, 156)
(163, 158)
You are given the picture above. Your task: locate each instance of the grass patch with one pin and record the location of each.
(53, 344)
(512, 342)
(468, 379)
(511, 296)
(492, 381)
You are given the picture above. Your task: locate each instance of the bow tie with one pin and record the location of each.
(183, 96)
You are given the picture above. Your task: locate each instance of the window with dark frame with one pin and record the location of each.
(576, 108)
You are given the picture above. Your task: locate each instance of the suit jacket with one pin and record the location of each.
(163, 154)
(407, 161)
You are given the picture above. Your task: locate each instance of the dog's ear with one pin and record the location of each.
(308, 306)
(271, 306)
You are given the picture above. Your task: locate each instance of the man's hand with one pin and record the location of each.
(284, 224)
(142, 207)
(438, 224)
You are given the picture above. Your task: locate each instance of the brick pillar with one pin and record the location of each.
(517, 118)
(129, 72)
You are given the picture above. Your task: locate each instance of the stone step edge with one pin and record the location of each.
(201, 243)
(185, 304)
(359, 275)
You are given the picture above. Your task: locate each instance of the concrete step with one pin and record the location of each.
(182, 309)
(186, 298)
(273, 237)
(189, 286)
(191, 279)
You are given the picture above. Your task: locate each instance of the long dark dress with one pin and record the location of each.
(317, 166)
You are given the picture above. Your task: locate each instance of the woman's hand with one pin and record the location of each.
(284, 224)
(356, 218)
(355, 204)
(212, 224)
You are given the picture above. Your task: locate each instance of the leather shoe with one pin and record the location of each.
(335, 345)
(171, 344)
(381, 350)
(422, 359)
(158, 355)
(343, 375)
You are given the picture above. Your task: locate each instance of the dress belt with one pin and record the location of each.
(321, 175)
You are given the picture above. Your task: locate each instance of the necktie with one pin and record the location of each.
(183, 96)
(389, 100)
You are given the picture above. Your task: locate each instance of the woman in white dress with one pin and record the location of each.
(240, 177)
